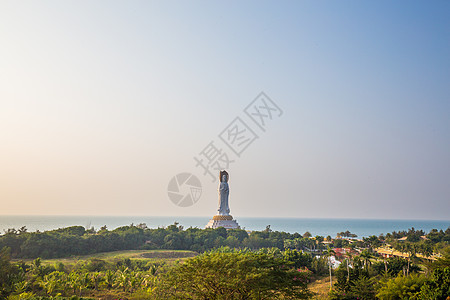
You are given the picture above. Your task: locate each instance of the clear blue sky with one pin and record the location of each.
(101, 103)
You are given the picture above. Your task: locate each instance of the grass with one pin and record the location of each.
(114, 256)
(321, 287)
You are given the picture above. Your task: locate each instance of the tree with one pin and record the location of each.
(319, 240)
(350, 282)
(372, 242)
(288, 244)
(437, 286)
(8, 272)
(232, 242)
(401, 287)
(393, 266)
(233, 275)
(365, 257)
(328, 254)
(426, 249)
(298, 259)
(52, 282)
(349, 257)
(362, 288)
(411, 249)
(346, 234)
(443, 261)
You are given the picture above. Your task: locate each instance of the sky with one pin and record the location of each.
(102, 103)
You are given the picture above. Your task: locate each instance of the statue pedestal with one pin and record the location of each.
(225, 221)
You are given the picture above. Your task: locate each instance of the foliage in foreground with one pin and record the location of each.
(401, 287)
(268, 273)
(357, 282)
(234, 275)
(220, 274)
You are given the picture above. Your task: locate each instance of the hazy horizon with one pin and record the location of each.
(103, 103)
(209, 216)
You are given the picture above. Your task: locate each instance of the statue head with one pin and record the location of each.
(223, 177)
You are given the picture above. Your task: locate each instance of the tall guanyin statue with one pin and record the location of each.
(224, 191)
(223, 218)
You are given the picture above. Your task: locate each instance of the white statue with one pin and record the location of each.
(224, 191)
(223, 219)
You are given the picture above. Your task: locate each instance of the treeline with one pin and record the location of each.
(69, 241)
(76, 240)
(412, 235)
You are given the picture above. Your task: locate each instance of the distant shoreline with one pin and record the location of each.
(316, 226)
(209, 216)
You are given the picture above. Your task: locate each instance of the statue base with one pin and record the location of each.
(225, 221)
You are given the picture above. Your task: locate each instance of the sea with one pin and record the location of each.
(323, 227)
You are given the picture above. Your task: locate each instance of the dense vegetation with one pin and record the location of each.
(257, 265)
(223, 273)
(254, 275)
(77, 240)
(362, 280)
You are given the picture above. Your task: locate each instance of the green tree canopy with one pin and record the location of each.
(234, 275)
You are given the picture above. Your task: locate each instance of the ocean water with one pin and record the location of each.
(324, 227)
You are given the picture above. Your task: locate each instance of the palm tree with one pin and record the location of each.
(319, 240)
(328, 254)
(411, 249)
(299, 243)
(427, 250)
(349, 257)
(357, 264)
(366, 256)
(312, 244)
